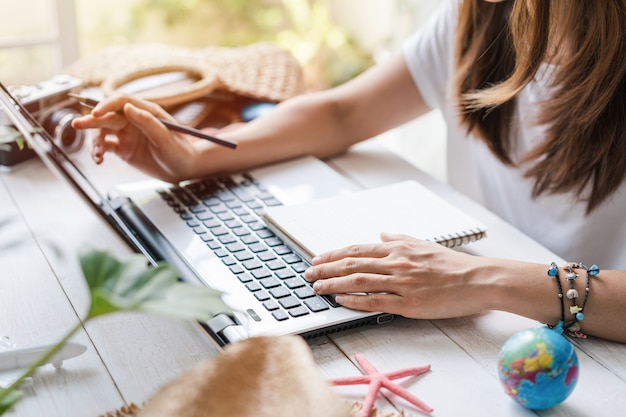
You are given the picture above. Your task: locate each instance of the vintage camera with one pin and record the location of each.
(49, 103)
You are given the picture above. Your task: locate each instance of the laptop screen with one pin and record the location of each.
(59, 163)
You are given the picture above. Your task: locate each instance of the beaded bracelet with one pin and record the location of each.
(578, 312)
(553, 271)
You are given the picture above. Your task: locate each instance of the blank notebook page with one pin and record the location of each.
(406, 207)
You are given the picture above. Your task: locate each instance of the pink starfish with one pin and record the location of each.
(376, 380)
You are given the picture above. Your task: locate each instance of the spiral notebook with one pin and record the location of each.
(359, 217)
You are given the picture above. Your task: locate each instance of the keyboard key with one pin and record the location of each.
(261, 273)
(219, 231)
(257, 247)
(235, 246)
(304, 292)
(292, 258)
(316, 304)
(289, 302)
(281, 249)
(254, 205)
(273, 241)
(231, 223)
(240, 231)
(206, 237)
(331, 300)
(245, 277)
(280, 292)
(260, 229)
(214, 244)
(243, 256)
(293, 283)
(226, 216)
(211, 201)
(249, 239)
(274, 264)
(227, 239)
(280, 315)
(221, 252)
(248, 218)
(285, 273)
(197, 208)
(266, 256)
(229, 260)
(262, 296)
(269, 282)
(252, 264)
(211, 223)
(241, 193)
(298, 311)
(272, 202)
(237, 207)
(271, 305)
(236, 269)
(206, 215)
(198, 230)
(218, 208)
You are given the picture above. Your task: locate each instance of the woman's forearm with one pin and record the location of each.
(527, 289)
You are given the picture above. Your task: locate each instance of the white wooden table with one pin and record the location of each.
(42, 294)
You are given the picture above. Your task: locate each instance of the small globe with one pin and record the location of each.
(538, 368)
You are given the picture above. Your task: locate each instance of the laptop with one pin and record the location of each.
(212, 231)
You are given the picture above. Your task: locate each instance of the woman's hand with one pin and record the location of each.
(129, 127)
(401, 275)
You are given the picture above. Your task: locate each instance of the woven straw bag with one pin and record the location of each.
(260, 71)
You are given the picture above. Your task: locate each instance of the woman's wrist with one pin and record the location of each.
(522, 288)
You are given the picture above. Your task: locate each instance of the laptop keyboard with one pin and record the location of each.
(225, 212)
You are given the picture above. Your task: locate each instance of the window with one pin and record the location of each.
(37, 39)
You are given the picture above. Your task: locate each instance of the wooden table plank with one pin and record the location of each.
(35, 310)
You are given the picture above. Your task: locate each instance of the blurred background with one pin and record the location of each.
(334, 40)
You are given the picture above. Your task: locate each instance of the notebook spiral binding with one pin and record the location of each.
(461, 238)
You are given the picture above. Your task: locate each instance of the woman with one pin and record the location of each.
(533, 93)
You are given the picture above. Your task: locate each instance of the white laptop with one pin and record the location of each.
(218, 238)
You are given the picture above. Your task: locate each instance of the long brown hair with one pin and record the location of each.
(500, 47)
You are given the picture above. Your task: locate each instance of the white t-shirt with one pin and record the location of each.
(557, 221)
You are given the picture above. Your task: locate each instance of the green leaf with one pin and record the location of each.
(133, 285)
(8, 135)
(8, 397)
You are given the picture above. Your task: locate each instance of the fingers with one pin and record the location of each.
(116, 103)
(111, 113)
(354, 283)
(112, 121)
(388, 303)
(354, 251)
(156, 132)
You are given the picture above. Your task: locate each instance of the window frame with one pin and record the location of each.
(62, 37)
